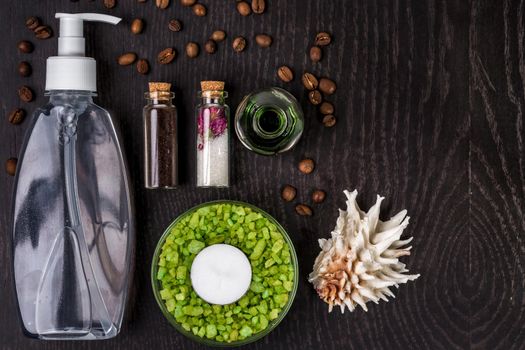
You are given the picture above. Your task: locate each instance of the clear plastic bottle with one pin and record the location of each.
(73, 228)
(213, 136)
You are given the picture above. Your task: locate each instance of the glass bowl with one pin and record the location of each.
(272, 324)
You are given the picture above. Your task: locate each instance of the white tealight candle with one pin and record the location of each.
(221, 274)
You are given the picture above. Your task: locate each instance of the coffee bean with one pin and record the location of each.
(43, 32)
(322, 39)
(239, 44)
(218, 35)
(188, 2)
(327, 86)
(263, 40)
(175, 25)
(285, 74)
(166, 56)
(127, 58)
(306, 166)
(17, 116)
(162, 4)
(326, 108)
(110, 3)
(24, 69)
(32, 23)
(137, 25)
(210, 46)
(329, 120)
(199, 10)
(243, 8)
(25, 93)
(25, 46)
(303, 210)
(315, 97)
(310, 81)
(10, 166)
(318, 196)
(258, 6)
(288, 193)
(142, 66)
(316, 54)
(192, 49)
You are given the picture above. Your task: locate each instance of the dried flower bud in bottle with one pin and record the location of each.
(213, 136)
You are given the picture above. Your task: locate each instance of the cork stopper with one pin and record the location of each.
(210, 85)
(159, 87)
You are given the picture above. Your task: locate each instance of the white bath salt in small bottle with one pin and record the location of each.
(221, 274)
(213, 136)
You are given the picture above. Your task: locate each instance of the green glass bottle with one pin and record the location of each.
(269, 121)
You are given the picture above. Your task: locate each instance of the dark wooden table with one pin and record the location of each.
(430, 105)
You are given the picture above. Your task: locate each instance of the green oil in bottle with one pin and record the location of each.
(269, 121)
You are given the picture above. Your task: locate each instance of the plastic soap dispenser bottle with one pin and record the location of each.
(73, 229)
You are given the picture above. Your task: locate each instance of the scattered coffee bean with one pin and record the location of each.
(162, 4)
(263, 40)
(110, 3)
(175, 25)
(199, 10)
(285, 74)
(315, 97)
(288, 193)
(329, 120)
(316, 54)
(318, 196)
(24, 69)
(258, 6)
(43, 32)
(306, 166)
(25, 93)
(303, 210)
(10, 166)
(188, 2)
(32, 23)
(25, 46)
(210, 46)
(127, 58)
(327, 86)
(142, 66)
(243, 8)
(239, 44)
(166, 56)
(192, 49)
(218, 35)
(322, 39)
(17, 116)
(137, 25)
(310, 81)
(326, 108)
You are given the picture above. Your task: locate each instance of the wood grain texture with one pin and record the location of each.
(430, 105)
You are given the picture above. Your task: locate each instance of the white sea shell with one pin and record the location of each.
(361, 261)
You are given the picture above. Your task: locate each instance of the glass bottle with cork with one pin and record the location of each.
(160, 137)
(213, 136)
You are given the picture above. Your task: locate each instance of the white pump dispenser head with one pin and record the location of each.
(70, 70)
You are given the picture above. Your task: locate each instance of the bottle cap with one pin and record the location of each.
(71, 70)
(212, 88)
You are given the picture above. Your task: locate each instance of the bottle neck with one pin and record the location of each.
(159, 98)
(68, 96)
(212, 100)
(213, 97)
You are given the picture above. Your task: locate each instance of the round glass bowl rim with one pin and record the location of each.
(209, 342)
